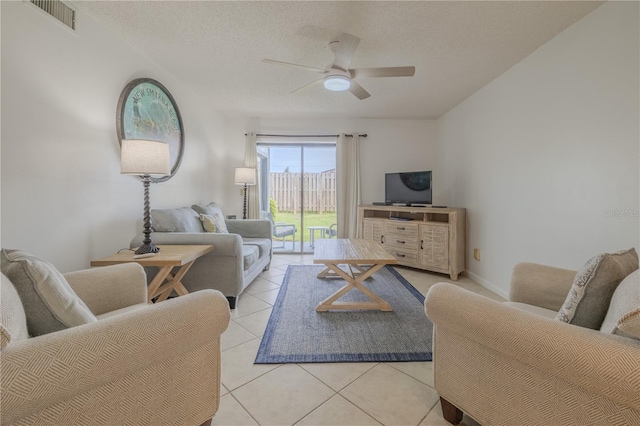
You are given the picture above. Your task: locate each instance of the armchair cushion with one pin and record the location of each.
(212, 209)
(13, 323)
(588, 300)
(623, 316)
(175, 220)
(49, 302)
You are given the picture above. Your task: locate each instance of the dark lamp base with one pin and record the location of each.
(147, 248)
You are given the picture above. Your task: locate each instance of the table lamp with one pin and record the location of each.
(245, 176)
(145, 158)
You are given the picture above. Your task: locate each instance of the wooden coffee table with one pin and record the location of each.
(165, 260)
(363, 258)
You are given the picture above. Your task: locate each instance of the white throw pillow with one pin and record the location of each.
(13, 323)
(629, 325)
(49, 302)
(623, 316)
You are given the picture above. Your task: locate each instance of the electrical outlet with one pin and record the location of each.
(476, 254)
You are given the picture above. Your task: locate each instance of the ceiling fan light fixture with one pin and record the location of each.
(337, 83)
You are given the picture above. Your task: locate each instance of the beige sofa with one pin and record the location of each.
(238, 257)
(137, 364)
(513, 363)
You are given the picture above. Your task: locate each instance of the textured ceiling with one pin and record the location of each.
(456, 47)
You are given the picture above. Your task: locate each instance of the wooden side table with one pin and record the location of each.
(165, 260)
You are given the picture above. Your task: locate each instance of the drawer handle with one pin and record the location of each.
(400, 242)
(400, 255)
(399, 228)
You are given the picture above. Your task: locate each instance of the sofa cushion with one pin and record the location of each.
(263, 244)
(212, 209)
(250, 255)
(13, 323)
(49, 302)
(175, 220)
(623, 316)
(588, 300)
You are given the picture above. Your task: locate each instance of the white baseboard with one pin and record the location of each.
(486, 284)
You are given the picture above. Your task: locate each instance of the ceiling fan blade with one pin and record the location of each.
(304, 67)
(383, 72)
(358, 90)
(345, 50)
(313, 83)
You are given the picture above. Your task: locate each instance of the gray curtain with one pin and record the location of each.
(348, 184)
(251, 160)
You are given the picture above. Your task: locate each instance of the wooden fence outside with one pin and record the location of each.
(319, 191)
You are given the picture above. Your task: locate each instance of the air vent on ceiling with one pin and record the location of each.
(58, 10)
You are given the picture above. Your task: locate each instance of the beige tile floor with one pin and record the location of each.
(321, 394)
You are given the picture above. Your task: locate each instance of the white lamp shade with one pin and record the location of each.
(245, 175)
(144, 157)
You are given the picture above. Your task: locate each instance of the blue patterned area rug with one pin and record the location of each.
(296, 333)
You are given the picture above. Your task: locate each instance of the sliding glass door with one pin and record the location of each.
(298, 191)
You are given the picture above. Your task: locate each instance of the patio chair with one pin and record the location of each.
(333, 231)
(281, 230)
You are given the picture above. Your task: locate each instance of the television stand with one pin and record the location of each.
(421, 237)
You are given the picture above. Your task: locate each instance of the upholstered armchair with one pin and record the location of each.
(513, 363)
(133, 364)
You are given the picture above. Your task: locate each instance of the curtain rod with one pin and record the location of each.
(306, 136)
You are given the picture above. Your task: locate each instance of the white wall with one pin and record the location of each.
(63, 197)
(391, 146)
(545, 158)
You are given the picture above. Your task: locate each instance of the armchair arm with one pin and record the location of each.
(540, 285)
(469, 325)
(154, 351)
(108, 288)
(250, 228)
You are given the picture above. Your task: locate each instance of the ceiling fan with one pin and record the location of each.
(338, 77)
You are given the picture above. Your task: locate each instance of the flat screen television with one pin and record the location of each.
(408, 188)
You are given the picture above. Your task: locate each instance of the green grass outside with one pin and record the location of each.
(310, 219)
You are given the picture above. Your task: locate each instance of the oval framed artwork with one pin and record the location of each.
(146, 110)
